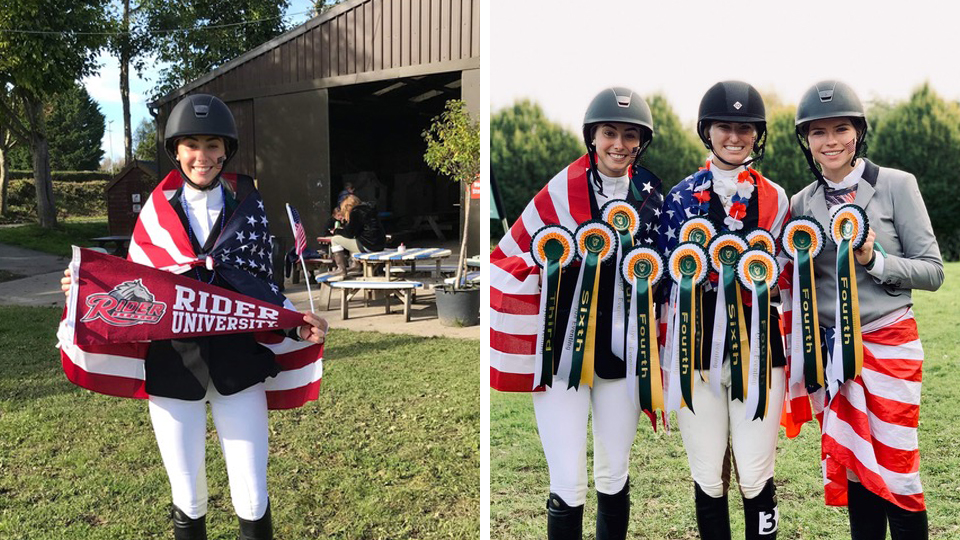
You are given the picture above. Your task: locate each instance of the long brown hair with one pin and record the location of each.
(347, 205)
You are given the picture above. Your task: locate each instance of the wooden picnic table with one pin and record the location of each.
(371, 261)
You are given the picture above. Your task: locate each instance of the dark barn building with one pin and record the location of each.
(344, 98)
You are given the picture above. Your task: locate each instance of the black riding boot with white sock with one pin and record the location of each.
(761, 517)
(564, 522)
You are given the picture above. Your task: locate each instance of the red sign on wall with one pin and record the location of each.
(475, 190)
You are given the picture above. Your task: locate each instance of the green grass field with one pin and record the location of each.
(661, 489)
(390, 450)
(75, 231)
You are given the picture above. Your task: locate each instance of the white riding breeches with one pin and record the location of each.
(562, 421)
(241, 422)
(719, 419)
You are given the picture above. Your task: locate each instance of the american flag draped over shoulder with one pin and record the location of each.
(299, 236)
(515, 278)
(242, 256)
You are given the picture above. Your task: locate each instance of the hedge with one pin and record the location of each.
(73, 198)
(65, 176)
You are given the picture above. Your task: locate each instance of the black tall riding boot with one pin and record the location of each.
(868, 520)
(761, 517)
(906, 525)
(713, 515)
(260, 529)
(187, 528)
(563, 522)
(613, 514)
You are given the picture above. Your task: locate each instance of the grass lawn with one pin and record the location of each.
(76, 231)
(390, 450)
(661, 489)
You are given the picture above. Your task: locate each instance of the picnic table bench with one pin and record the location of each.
(403, 290)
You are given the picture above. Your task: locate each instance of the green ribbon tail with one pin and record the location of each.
(845, 325)
(688, 324)
(590, 269)
(642, 290)
(806, 292)
(763, 298)
(733, 331)
(550, 321)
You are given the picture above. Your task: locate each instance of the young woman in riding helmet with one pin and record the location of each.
(736, 199)
(183, 221)
(617, 127)
(869, 440)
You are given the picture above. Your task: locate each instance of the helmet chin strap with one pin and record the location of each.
(757, 149)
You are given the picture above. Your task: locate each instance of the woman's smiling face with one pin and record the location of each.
(731, 142)
(201, 158)
(616, 144)
(833, 143)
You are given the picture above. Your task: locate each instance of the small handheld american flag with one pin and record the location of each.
(300, 238)
(300, 244)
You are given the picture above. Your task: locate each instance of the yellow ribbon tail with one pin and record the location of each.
(586, 373)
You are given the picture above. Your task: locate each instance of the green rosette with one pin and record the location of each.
(552, 248)
(596, 242)
(758, 271)
(848, 229)
(642, 268)
(688, 268)
(803, 240)
(729, 329)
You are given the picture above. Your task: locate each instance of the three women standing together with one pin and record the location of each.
(576, 362)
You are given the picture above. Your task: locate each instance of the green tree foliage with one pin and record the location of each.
(675, 152)
(783, 161)
(922, 136)
(75, 128)
(36, 66)
(145, 141)
(218, 34)
(527, 150)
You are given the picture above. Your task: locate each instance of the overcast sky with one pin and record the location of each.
(561, 52)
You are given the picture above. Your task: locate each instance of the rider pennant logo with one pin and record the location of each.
(128, 304)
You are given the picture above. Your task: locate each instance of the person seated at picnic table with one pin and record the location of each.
(335, 222)
(361, 232)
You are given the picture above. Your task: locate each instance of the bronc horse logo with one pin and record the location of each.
(129, 303)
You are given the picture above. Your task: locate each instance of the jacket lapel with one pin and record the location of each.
(818, 205)
(865, 188)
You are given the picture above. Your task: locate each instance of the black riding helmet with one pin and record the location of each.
(200, 114)
(830, 99)
(733, 101)
(617, 104)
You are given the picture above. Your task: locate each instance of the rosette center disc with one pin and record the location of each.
(757, 270)
(595, 243)
(846, 229)
(621, 221)
(728, 255)
(642, 269)
(553, 249)
(802, 240)
(699, 236)
(688, 265)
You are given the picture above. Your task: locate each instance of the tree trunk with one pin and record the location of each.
(125, 88)
(461, 273)
(4, 179)
(46, 207)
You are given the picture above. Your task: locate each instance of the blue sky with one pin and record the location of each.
(105, 89)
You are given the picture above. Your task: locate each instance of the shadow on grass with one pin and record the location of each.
(30, 361)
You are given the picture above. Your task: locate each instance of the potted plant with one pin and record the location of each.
(453, 150)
